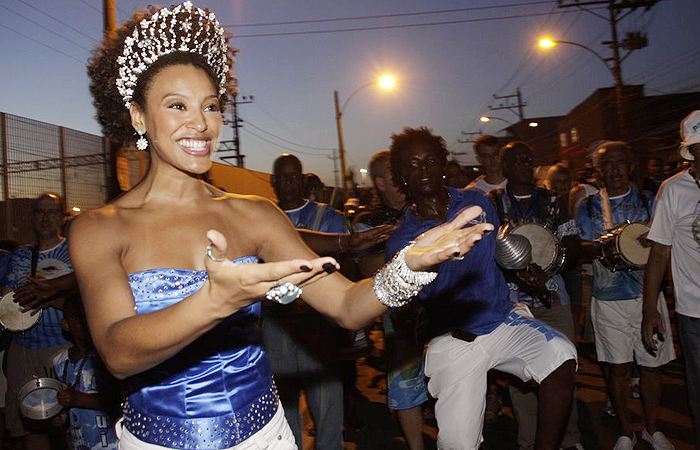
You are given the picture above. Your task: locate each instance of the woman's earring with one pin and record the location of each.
(142, 142)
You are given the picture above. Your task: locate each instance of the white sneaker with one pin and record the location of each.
(658, 440)
(625, 443)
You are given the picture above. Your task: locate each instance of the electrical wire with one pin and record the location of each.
(393, 27)
(57, 20)
(285, 140)
(42, 26)
(290, 150)
(41, 43)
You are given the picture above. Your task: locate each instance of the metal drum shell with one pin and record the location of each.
(33, 385)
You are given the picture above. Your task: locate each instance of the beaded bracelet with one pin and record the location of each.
(396, 284)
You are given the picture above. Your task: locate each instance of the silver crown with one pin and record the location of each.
(198, 32)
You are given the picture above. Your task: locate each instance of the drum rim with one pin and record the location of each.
(34, 319)
(35, 384)
(553, 266)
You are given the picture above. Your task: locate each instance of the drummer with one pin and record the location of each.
(40, 275)
(616, 306)
(521, 202)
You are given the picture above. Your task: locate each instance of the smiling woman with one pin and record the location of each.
(169, 271)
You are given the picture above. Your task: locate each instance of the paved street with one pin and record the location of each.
(379, 429)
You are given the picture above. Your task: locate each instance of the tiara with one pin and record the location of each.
(182, 29)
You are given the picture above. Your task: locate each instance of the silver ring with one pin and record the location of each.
(457, 258)
(211, 255)
(284, 294)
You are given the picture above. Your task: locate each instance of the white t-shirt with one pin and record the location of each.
(676, 222)
(481, 184)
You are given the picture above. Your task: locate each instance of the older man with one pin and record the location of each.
(616, 306)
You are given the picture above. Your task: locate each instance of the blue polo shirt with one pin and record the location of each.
(471, 294)
(608, 285)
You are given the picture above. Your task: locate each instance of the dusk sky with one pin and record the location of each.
(447, 68)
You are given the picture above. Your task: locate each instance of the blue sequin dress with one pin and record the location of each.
(217, 391)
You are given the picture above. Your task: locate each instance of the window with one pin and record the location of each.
(574, 135)
(563, 141)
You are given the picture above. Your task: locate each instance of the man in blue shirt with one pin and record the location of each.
(473, 325)
(520, 203)
(616, 306)
(40, 275)
(301, 343)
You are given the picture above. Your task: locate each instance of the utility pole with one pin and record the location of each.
(109, 24)
(234, 145)
(633, 41)
(519, 105)
(341, 144)
(335, 167)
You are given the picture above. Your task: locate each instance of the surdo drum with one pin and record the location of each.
(547, 251)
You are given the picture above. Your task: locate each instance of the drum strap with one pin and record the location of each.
(35, 260)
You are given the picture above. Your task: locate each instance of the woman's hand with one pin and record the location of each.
(447, 241)
(239, 285)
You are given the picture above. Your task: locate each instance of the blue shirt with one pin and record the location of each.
(90, 429)
(52, 263)
(608, 285)
(471, 294)
(318, 217)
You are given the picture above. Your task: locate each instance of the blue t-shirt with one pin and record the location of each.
(90, 429)
(318, 217)
(471, 294)
(52, 263)
(608, 285)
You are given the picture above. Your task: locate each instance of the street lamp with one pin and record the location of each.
(385, 82)
(548, 43)
(487, 119)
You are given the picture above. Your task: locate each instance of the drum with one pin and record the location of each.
(620, 249)
(547, 251)
(38, 398)
(11, 316)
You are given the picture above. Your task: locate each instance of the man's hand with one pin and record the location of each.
(37, 294)
(365, 239)
(652, 325)
(68, 397)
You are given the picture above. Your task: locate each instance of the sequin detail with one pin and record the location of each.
(205, 432)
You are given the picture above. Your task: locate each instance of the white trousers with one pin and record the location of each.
(276, 435)
(521, 346)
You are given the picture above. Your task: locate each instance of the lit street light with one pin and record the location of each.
(533, 124)
(615, 70)
(385, 82)
(487, 119)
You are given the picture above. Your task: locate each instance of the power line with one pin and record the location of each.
(285, 140)
(57, 20)
(41, 43)
(281, 146)
(42, 26)
(384, 16)
(392, 27)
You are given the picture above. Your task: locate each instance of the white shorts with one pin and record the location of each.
(618, 332)
(521, 346)
(276, 435)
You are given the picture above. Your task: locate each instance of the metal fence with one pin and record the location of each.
(38, 157)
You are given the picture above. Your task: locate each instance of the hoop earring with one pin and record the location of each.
(142, 142)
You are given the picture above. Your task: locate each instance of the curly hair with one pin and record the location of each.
(407, 139)
(103, 70)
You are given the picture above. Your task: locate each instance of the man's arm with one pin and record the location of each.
(653, 275)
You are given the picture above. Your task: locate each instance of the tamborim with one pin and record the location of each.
(620, 249)
(38, 398)
(547, 251)
(11, 316)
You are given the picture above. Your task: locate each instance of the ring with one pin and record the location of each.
(457, 258)
(284, 294)
(211, 255)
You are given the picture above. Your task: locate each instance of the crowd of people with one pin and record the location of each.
(182, 316)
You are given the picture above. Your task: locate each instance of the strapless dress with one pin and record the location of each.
(214, 393)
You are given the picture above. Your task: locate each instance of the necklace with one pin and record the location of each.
(77, 377)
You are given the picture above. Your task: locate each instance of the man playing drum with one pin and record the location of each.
(616, 306)
(541, 216)
(39, 275)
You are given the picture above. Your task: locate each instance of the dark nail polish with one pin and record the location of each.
(329, 267)
(305, 268)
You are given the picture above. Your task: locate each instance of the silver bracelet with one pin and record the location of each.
(396, 284)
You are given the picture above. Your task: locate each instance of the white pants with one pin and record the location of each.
(521, 346)
(276, 435)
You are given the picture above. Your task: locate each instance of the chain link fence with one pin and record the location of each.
(38, 157)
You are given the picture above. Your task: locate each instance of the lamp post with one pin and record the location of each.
(614, 69)
(385, 82)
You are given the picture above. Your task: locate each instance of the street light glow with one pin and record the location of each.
(484, 119)
(387, 82)
(547, 43)
(533, 124)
